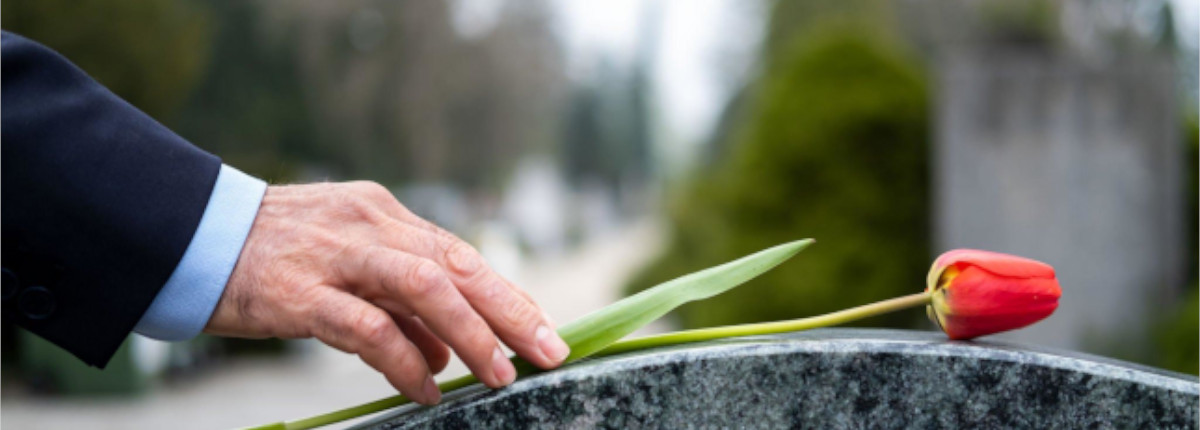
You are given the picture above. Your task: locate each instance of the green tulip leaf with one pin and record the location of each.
(597, 330)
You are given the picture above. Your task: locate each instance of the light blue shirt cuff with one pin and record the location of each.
(184, 305)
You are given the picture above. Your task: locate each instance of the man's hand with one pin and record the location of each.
(348, 264)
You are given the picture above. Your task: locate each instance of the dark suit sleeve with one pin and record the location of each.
(99, 202)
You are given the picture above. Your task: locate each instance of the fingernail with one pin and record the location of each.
(505, 373)
(552, 345)
(431, 391)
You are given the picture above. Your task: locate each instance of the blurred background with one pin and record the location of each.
(593, 149)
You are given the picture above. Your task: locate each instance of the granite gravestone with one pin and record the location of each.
(840, 378)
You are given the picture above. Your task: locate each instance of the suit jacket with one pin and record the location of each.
(98, 200)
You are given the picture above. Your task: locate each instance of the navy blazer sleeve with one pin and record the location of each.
(99, 202)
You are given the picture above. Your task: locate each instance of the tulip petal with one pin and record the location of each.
(978, 292)
(982, 326)
(995, 262)
(978, 302)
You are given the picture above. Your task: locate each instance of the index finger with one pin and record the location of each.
(424, 288)
(519, 322)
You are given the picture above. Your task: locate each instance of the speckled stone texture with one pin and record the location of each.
(840, 378)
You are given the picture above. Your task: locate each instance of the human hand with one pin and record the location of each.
(348, 264)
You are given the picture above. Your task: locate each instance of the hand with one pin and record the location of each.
(348, 264)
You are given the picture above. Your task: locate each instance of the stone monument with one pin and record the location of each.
(1076, 163)
(836, 378)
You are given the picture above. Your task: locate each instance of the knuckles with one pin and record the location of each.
(361, 201)
(425, 278)
(517, 313)
(371, 190)
(374, 327)
(463, 259)
(355, 208)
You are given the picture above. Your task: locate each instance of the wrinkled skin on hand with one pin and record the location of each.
(349, 265)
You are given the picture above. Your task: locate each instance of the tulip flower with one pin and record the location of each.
(970, 294)
(977, 293)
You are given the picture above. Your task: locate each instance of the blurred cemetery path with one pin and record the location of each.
(256, 390)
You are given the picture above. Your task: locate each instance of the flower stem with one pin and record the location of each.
(675, 338)
(830, 319)
(368, 408)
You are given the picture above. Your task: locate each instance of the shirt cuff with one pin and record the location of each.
(183, 306)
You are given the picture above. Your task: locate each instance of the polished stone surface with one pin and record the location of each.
(839, 378)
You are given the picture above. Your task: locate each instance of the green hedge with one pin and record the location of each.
(834, 147)
(1177, 334)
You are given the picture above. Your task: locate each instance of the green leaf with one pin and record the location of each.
(597, 330)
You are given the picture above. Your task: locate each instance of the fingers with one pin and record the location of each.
(422, 285)
(437, 354)
(509, 311)
(352, 325)
(545, 315)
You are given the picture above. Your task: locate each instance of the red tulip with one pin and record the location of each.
(977, 293)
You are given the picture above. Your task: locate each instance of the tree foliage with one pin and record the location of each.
(833, 147)
(151, 53)
(1176, 334)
